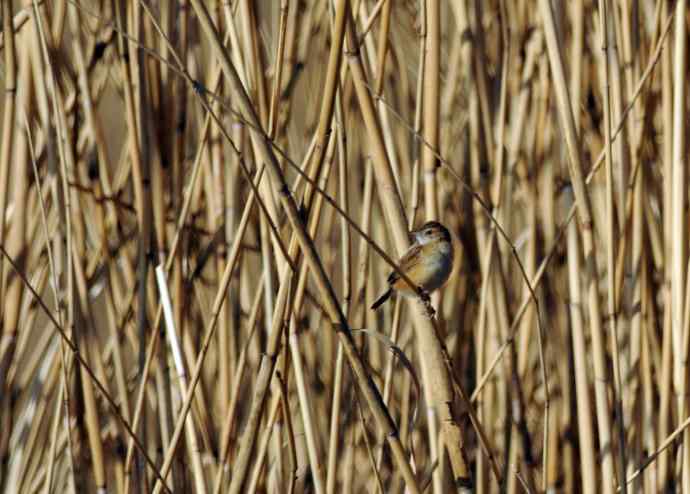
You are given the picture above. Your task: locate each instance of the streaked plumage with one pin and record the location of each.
(428, 262)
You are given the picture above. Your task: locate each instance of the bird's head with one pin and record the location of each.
(431, 231)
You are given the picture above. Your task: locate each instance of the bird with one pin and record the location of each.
(428, 263)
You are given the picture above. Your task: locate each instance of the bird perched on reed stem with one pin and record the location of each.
(428, 263)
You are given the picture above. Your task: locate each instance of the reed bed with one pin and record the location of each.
(201, 200)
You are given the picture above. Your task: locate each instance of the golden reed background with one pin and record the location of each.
(270, 157)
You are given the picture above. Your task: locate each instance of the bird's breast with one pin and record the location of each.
(436, 271)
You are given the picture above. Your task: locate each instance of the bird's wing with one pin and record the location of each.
(409, 260)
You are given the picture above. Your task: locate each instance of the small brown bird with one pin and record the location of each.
(428, 262)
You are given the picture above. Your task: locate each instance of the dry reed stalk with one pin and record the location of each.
(189, 395)
(571, 213)
(499, 289)
(312, 437)
(150, 352)
(61, 318)
(135, 154)
(430, 104)
(587, 449)
(584, 419)
(369, 390)
(634, 410)
(290, 433)
(584, 213)
(11, 234)
(631, 293)
(679, 232)
(274, 408)
(96, 129)
(322, 152)
(74, 315)
(231, 417)
(173, 340)
(76, 353)
(17, 22)
(10, 87)
(372, 53)
(665, 421)
(610, 66)
(439, 395)
(335, 426)
(163, 147)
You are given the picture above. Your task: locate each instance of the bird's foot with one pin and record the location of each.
(425, 300)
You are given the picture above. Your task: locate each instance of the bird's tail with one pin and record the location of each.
(382, 299)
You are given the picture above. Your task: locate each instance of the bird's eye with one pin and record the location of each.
(429, 232)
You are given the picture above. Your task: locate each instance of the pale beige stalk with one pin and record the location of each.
(582, 201)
